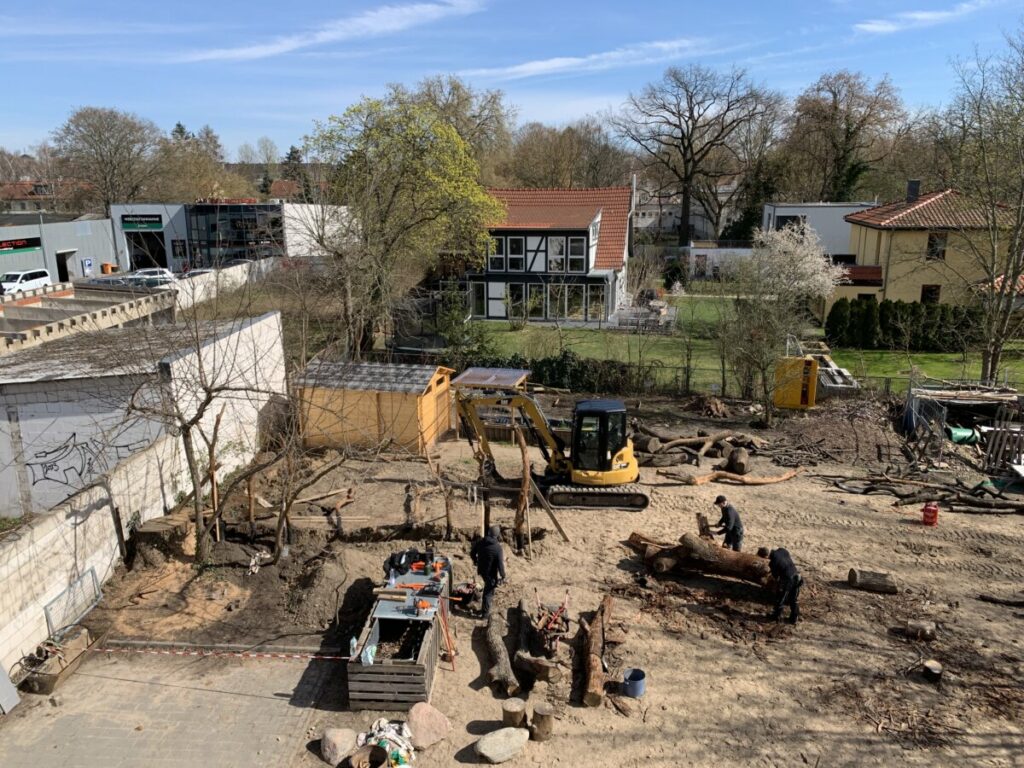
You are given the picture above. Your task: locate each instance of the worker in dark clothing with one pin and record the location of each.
(787, 584)
(730, 524)
(489, 559)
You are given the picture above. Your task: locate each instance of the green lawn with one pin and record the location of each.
(536, 341)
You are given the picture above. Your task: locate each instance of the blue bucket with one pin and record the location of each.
(634, 683)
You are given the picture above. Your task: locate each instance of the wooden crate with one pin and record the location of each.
(393, 684)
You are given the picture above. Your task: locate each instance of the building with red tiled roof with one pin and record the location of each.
(923, 248)
(559, 254)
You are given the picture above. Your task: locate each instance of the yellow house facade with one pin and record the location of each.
(921, 249)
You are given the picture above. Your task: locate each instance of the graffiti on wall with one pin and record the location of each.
(75, 461)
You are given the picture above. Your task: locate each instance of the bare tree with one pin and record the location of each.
(683, 124)
(841, 127)
(982, 138)
(112, 151)
(582, 154)
(247, 154)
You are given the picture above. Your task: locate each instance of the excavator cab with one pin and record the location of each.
(601, 453)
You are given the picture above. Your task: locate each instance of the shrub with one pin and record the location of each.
(837, 323)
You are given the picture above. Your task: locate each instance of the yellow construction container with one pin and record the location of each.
(796, 382)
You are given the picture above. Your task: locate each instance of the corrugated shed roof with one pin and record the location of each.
(497, 378)
(936, 210)
(368, 377)
(573, 209)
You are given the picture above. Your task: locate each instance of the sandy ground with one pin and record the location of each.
(724, 686)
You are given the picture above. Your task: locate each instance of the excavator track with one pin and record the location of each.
(631, 497)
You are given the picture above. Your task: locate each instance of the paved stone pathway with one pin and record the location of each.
(157, 711)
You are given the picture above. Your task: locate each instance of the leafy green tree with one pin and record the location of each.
(411, 190)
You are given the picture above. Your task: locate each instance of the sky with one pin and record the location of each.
(259, 68)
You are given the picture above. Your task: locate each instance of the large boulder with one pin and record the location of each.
(336, 744)
(502, 744)
(428, 725)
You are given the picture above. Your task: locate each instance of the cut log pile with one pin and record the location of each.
(659, 448)
(956, 496)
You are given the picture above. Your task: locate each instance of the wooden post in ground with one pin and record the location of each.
(513, 713)
(543, 722)
(523, 503)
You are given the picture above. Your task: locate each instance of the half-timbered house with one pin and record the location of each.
(560, 254)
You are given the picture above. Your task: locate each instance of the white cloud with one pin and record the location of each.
(386, 20)
(898, 22)
(627, 56)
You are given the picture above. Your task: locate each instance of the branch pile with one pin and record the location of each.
(659, 448)
(957, 496)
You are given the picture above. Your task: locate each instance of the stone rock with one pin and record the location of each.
(428, 725)
(336, 744)
(502, 744)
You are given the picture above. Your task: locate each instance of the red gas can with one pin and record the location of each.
(930, 513)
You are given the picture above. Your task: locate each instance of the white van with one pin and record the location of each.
(25, 281)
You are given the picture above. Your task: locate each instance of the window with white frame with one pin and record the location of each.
(595, 229)
(496, 260)
(595, 302)
(577, 254)
(556, 254)
(535, 301)
(516, 255)
(574, 298)
(556, 301)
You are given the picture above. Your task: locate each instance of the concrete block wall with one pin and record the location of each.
(195, 290)
(40, 560)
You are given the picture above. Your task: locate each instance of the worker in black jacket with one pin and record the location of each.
(787, 584)
(730, 524)
(489, 559)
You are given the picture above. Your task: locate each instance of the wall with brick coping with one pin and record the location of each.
(40, 559)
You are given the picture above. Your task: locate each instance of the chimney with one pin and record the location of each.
(913, 190)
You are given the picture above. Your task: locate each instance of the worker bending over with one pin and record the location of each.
(730, 524)
(489, 559)
(787, 584)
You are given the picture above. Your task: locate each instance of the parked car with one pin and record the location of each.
(26, 280)
(154, 272)
(196, 272)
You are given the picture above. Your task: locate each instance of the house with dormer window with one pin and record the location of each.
(560, 254)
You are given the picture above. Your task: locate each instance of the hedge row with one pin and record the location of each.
(577, 374)
(866, 324)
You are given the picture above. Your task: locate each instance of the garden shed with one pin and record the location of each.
(366, 405)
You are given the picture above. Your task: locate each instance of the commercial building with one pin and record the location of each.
(67, 250)
(203, 234)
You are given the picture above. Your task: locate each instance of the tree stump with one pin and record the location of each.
(738, 462)
(920, 629)
(543, 722)
(513, 713)
(872, 581)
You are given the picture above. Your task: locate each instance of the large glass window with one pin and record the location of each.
(516, 300)
(577, 254)
(516, 255)
(478, 299)
(556, 254)
(595, 302)
(496, 260)
(535, 308)
(574, 302)
(586, 453)
(556, 301)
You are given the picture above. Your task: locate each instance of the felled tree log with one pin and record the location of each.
(593, 691)
(696, 554)
(673, 459)
(872, 581)
(737, 462)
(646, 443)
(720, 475)
(1001, 601)
(500, 674)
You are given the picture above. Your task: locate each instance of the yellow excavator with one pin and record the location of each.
(597, 469)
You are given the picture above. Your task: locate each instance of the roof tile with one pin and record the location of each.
(936, 210)
(573, 209)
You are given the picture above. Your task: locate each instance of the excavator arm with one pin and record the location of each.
(469, 406)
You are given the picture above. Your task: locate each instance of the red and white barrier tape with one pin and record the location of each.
(228, 654)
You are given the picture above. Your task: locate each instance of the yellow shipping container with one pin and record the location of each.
(796, 382)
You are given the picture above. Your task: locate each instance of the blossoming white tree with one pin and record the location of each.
(774, 289)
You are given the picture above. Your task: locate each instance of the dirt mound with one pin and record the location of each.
(316, 595)
(851, 432)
